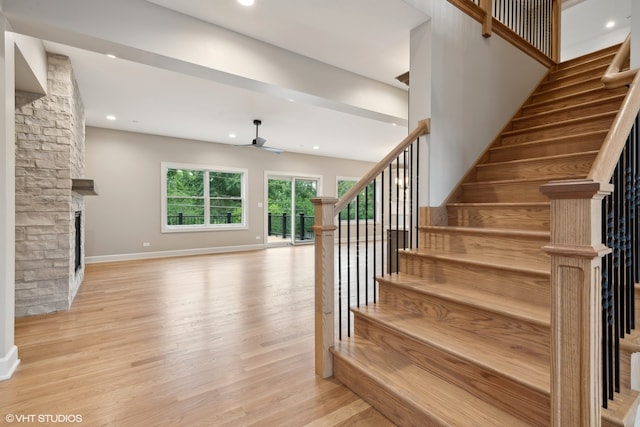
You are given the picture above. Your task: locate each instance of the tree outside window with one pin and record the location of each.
(365, 211)
(185, 203)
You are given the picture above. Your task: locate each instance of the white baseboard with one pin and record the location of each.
(167, 254)
(9, 363)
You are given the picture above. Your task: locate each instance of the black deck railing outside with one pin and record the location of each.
(620, 268)
(182, 219)
(279, 225)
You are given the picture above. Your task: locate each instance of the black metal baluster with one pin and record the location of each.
(339, 277)
(397, 230)
(390, 225)
(366, 245)
(417, 178)
(610, 293)
(382, 259)
(348, 269)
(605, 310)
(411, 182)
(358, 250)
(375, 238)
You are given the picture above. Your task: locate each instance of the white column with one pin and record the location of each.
(8, 350)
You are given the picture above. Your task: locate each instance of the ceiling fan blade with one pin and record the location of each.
(273, 150)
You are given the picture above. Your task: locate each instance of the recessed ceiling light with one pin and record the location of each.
(111, 117)
(610, 24)
(246, 2)
(111, 55)
(315, 147)
(291, 100)
(394, 124)
(232, 135)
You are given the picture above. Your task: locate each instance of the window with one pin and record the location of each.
(196, 198)
(364, 211)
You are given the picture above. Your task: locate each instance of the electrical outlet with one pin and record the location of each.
(146, 244)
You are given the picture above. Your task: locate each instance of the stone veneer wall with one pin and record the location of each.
(49, 154)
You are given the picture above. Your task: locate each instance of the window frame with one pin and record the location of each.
(244, 178)
(375, 197)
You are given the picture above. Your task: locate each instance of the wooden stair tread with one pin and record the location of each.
(527, 368)
(587, 70)
(542, 181)
(473, 297)
(622, 406)
(501, 263)
(489, 231)
(500, 205)
(418, 388)
(537, 159)
(569, 122)
(577, 106)
(607, 52)
(570, 96)
(555, 140)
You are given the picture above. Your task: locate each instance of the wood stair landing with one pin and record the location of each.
(460, 336)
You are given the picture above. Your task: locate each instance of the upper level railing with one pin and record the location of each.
(531, 25)
(592, 298)
(368, 240)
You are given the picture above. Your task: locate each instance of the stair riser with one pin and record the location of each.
(392, 406)
(506, 393)
(523, 218)
(513, 284)
(569, 128)
(580, 98)
(577, 167)
(527, 251)
(556, 147)
(516, 192)
(541, 96)
(607, 106)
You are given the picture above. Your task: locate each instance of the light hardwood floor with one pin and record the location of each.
(215, 340)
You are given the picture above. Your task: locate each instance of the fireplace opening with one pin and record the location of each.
(78, 239)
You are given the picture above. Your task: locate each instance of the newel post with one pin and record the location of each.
(576, 249)
(324, 227)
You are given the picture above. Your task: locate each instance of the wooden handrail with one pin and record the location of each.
(605, 163)
(482, 13)
(613, 77)
(423, 128)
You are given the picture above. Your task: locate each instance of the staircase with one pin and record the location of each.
(461, 335)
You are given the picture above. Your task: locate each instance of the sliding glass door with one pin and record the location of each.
(290, 213)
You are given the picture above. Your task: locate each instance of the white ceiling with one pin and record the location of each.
(364, 37)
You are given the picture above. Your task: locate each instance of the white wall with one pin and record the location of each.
(476, 85)
(8, 351)
(583, 26)
(126, 213)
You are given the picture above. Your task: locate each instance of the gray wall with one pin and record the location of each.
(127, 171)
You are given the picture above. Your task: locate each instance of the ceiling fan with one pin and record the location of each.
(259, 142)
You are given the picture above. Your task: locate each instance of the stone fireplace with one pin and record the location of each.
(49, 214)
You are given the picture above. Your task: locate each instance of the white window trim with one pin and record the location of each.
(199, 228)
